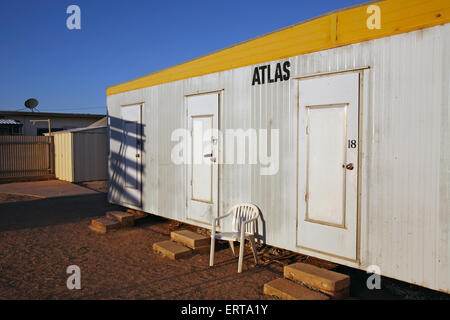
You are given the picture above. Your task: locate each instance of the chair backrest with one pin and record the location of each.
(243, 212)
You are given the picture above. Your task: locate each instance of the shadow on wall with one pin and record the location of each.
(121, 171)
(261, 236)
(125, 170)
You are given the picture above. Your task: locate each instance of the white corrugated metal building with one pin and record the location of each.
(363, 127)
(82, 154)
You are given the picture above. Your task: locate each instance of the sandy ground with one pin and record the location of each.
(40, 238)
(46, 189)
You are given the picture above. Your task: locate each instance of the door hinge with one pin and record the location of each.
(307, 130)
(191, 182)
(306, 197)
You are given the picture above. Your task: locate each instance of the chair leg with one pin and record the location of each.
(232, 248)
(211, 253)
(241, 255)
(252, 242)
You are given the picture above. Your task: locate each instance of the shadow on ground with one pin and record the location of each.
(52, 211)
(391, 289)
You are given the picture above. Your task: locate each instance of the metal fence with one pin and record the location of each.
(26, 156)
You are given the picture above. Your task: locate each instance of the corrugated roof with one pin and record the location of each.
(99, 124)
(50, 114)
(102, 123)
(335, 29)
(10, 122)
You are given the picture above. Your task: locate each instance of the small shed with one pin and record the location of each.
(82, 154)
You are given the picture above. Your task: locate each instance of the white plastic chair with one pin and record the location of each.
(245, 216)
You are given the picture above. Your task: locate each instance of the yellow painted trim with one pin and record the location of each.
(325, 32)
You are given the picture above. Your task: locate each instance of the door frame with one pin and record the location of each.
(139, 173)
(363, 95)
(220, 93)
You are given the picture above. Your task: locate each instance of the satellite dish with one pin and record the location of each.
(31, 103)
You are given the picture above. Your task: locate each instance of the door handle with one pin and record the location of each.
(349, 166)
(209, 155)
(137, 155)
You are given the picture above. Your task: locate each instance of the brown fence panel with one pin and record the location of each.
(26, 156)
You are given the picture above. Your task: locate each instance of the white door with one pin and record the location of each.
(131, 155)
(328, 164)
(202, 175)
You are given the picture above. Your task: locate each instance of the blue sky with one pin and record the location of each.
(69, 70)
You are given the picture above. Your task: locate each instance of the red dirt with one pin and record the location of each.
(40, 238)
(119, 265)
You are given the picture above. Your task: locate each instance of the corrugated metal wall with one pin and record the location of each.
(405, 166)
(64, 156)
(404, 169)
(90, 155)
(24, 156)
(81, 156)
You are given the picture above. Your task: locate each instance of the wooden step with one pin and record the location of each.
(190, 239)
(288, 290)
(105, 224)
(97, 229)
(125, 218)
(138, 214)
(171, 249)
(332, 283)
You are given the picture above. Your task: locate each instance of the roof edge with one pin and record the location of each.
(52, 114)
(334, 29)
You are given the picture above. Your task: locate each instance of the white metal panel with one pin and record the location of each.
(403, 173)
(443, 252)
(172, 178)
(405, 150)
